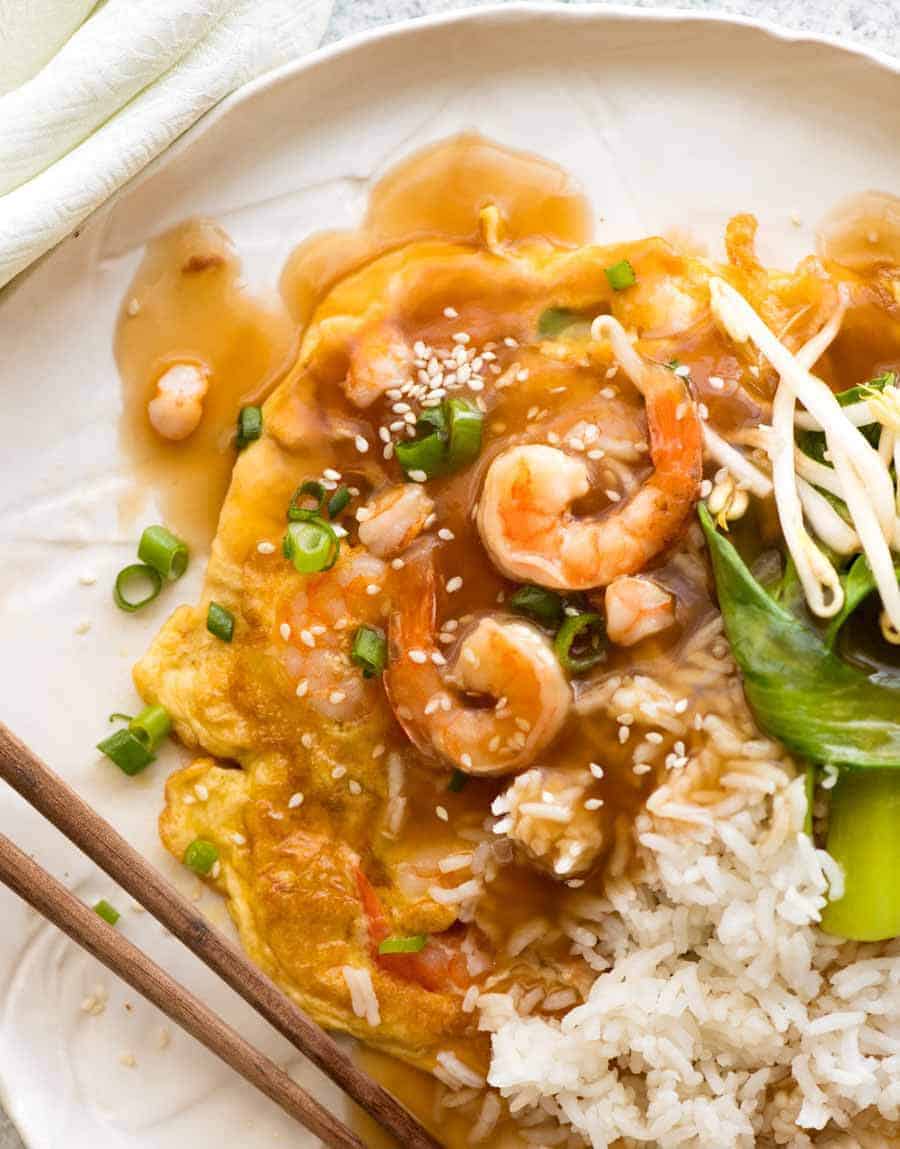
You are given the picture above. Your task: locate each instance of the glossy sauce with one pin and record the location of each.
(191, 306)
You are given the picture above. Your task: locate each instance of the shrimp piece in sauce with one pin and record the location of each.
(637, 608)
(524, 514)
(381, 359)
(394, 518)
(502, 659)
(318, 627)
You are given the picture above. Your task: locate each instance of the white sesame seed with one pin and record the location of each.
(336, 697)
(596, 769)
(454, 584)
(202, 792)
(331, 474)
(354, 787)
(654, 736)
(522, 376)
(682, 370)
(378, 750)
(265, 548)
(318, 629)
(285, 631)
(624, 733)
(418, 656)
(307, 638)
(462, 338)
(608, 392)
(442, 813)
(613, 496)
(641, 768)
(451, 313)
(295, 800)
(593, 804)
(87, 578)
(466, 760)
(446, 534)
(438, 659)
(716, 382)
(238, 839)
(398, 564)
(418, 476)
(302, 688)
(372, 589)
(510, 342)
(362, 444)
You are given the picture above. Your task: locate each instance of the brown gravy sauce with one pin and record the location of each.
(187, 303)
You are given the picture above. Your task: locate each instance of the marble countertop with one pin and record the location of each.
(871, 23)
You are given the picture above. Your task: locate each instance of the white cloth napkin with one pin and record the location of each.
(103, 88)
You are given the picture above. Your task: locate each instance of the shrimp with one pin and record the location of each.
(316, 632)
(393, 519)
(504, 659)
(524, 514)
(177, 408)
(381, 359)
(636, 608)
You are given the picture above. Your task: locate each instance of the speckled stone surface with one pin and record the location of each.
(871, 23)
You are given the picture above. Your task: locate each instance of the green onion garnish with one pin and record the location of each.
(556, 319)
(299, 508)
(464, 424)
(338, 502)
(151, 726)
(220, 622)
(160, 549)
(249, 426)
(544, 606)
(449, 439)
(580, 643)
(129, 584)
(311, 545)
(412, 945)
(620, 275)
(369, 650)
(458, 779)
(201, 856)
(109, 913)
(426, 455)
(127, 750)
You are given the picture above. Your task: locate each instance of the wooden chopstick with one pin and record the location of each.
(58, 802)
(50, 898)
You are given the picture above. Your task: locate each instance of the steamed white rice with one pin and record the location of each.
(723, 1017)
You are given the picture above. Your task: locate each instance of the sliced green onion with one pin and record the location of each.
(427, 455)
(201, 856)
(411, 945)
(249, 426)
(300, 512)
(311, 546)
(127, 750)
(220, 622)
(620, 275)
(369, 650)
(580, 643)
(109, 913)
(129, 582)
(458, 779)
(432, 418)
(464, 425)
(160, 549)
(556, 319)
(338, 502)
(151, 726)
(544, 606)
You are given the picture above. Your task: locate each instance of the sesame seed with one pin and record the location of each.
(608, 392)
(317, 629)
(641, 768)
(238, 839)
(451, 313)
(418, 656)
(307, 638)
(354, 787)
(332, 474)
(462, 338)
(596, 769)
(613, 496)
(682, 371)
(378, 750)
(654, 736)
(307, 740)
(522, 376)
(302, 688)
(216, 870)
(361, 443)
(624, 734)
(398, 564)
(285, 631)
(593, 804)
(510, 342)
(442, 813)
(553, 438)
(438, 659)
(201, 791)
(466, 761)
(87, 579)
(295, 800)
(265, 548)
(418, 476)
(716, 382)
(372, 589)
(446, 534)
(454, 584)
(336, 697)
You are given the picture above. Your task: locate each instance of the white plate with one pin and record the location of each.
(668, 120)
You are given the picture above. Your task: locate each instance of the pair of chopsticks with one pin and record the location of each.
(58, 802)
